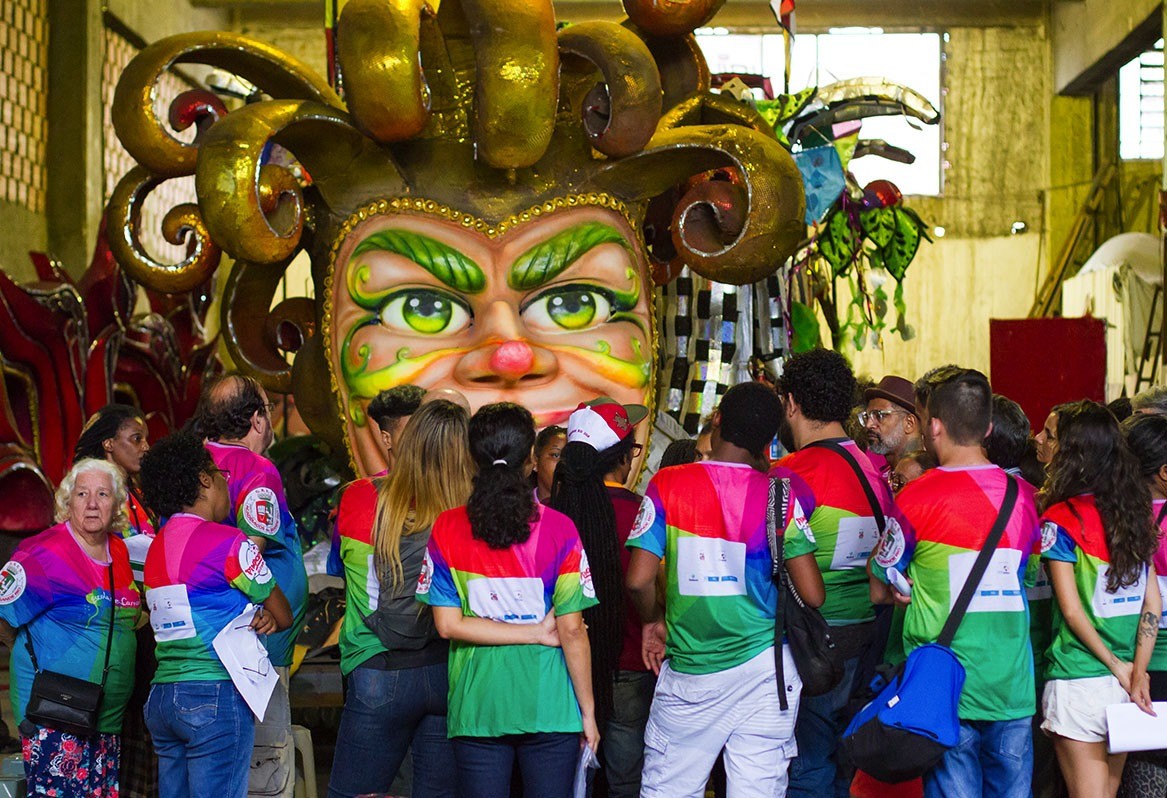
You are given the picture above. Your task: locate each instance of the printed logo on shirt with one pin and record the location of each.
(13, 581)
(253, 565)
(261, 512)
(1049, 536)
(426, 577)
(1124, 601)
(801, 522)
(585, 576)
(511, 599)
(645, 517)
(893, 545)
(710, 567)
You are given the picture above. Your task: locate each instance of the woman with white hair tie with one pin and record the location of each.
(68, 595)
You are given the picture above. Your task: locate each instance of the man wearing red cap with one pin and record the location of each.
(893, 428)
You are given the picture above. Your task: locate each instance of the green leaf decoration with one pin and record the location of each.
(785, 106)
(879, 224)
(899, 252)
(839, 241)
(805, 325)
(544, 261)
(441, 260)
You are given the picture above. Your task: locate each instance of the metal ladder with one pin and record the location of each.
(1152, 346)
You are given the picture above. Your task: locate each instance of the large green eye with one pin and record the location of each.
(424, 311)
(571, 307)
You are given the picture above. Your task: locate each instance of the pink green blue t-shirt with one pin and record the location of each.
(948, 513)
(260, 509)
(355, 517)
(53, 592)
(496, 690)
(1159, 656)
(844, 529)
(1072, 531)
(707, 521)
(199, 576)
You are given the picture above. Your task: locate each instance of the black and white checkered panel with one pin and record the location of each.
(709, 331)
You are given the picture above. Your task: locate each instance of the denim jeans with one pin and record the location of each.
(547, 762)
(622, 744)
(386, 711)
(993, 759)
(814, 774)
(203, 732)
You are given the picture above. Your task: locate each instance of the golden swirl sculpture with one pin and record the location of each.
(472, 198)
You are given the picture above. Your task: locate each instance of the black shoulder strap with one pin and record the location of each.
(776, 507)
(981, 565)
(876, 507)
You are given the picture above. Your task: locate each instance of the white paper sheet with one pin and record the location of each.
(1131, 729)
(245, 658)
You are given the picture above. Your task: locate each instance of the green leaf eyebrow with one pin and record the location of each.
(544, 261)
(441, 260)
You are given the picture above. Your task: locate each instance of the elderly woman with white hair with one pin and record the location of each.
(69, 597)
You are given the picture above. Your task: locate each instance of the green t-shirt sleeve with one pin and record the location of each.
(798, 538)
(574, 590)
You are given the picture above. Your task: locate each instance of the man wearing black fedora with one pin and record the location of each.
(893, 428)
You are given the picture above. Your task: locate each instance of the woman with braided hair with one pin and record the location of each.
(589, 489)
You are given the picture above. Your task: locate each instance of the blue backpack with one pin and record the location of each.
(914, 720)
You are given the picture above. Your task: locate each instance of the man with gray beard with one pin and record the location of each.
(893, 428)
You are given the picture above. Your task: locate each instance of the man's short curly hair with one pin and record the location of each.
(397, 402)
(821, 383)
(171, 470)
(750, 413)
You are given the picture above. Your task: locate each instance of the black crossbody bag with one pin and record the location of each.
(66, 703)
(817, 658)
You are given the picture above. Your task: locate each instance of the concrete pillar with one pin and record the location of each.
(74, 189)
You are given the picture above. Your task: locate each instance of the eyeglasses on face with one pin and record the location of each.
(637, 448)
(879, 415)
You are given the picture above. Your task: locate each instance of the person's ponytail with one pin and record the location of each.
(501, 504)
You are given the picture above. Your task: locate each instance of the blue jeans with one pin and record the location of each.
(622, 744)
(814, 772)
(385, 712)
(203, 733)
(547, 762)
(993, 759)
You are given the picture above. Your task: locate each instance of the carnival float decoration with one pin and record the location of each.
(484, 209)
(70, 347)
(493, 205)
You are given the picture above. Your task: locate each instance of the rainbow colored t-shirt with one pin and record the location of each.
(199, 576)
(708, 522)
(1072, 532)
(496, 690)
(948, 513)
(844, 528)
(54, 592)
(354, 525)
(1159, 656)
(259, 509)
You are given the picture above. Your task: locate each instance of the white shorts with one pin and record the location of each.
(1076, 708)
(694, 717)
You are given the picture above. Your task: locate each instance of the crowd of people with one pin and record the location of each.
(513, 607)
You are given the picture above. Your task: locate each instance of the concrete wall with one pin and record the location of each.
(1092, 38)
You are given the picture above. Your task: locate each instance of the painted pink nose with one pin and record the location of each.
(512, 359)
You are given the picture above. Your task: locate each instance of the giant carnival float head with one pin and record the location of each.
(489, 204)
